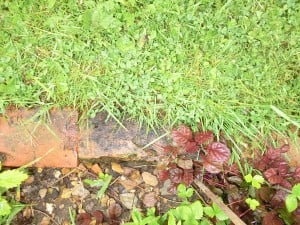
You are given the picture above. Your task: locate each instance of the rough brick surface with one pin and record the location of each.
(106, 138)
(24, 138)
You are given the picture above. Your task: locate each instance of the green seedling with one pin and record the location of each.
(186, 214)
(215, 211)
(149, 219)
(255, 181)
(184, 192)
(253, 203)
(9, 208)
(292, 199)
(72, 215)
(103, 181)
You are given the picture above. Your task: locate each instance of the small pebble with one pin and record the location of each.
(49, 208)
(42, 193)
(57, 174)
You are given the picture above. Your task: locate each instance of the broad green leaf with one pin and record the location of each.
(248, 178)
(253, 203)
(136, 216)
(296, 190)
(12, 178)
(291, 202)
(190, 222)
(205, 222)
(184, 212)
(197, 210)
(219, 213)
(189, 192)
(171, 219)
(181, 188)
(209, 211)
(5, 208)
(257, 181)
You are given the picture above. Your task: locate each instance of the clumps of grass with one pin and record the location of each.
(161, 62)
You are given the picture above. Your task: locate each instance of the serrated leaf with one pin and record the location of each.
(12, 178)
(217, 152)
(219, 213)
(204, 137)
(248, 178)
(291, 202)
(296, 190)
(191, 147)
(182, 135)
(209, 211)
(253, 203)
(171, 219)
(5, 208)
(197, 209)
(184, 212)
(259, 179)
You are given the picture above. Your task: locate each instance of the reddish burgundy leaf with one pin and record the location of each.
(284, 148)
(283, 169)
(171, 150)
(273, 153)
(261, 163)
(217, 152)
(191, 147)
(204, 137)
(270, 173)
(150, 199)
(176, 175)
(284, 183)
(278, 200)
(272, 218)
(296, 174)
(163, 175)
(114, 211)
(182, 135)
(188, 177)
(98, 216)
(83, 219)
(210, 167)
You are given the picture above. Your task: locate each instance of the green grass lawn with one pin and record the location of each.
(223, 64)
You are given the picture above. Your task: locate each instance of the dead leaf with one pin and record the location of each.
(128, 200)
(96, 168)
(128, 184)
(83, 219)
(149, 179)
(27, 212)
(149, 199)
(185, 163)
(117, 168)
(114, 211)
(45, 221)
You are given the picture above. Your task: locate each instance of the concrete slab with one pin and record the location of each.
(24, 138)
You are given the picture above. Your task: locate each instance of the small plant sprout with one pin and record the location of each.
(103, 181)
(215, 211)
(8, 207)
(255, 181)
(184, 192)
(253, 203)
(292, 199)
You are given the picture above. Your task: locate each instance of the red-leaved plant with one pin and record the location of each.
(212, 156)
